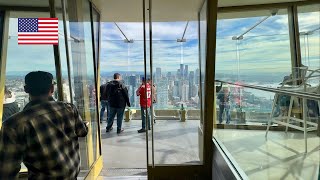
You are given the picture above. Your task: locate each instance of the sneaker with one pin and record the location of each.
(141, 131)
(108, 130)
(120, 131)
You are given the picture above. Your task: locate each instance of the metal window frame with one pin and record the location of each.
(57, 59)
(198, 170)
(96, 66)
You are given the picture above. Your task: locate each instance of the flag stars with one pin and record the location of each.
(27, 25)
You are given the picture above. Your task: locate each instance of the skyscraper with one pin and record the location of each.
(181, 71)
(191, 83)
(197, 76)
(162, 94)
(176, 89)
(186, 73)
(158, 74)
(169, 75)
(185, 92)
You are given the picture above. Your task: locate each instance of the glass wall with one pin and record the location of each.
(78, 80)
(174, 89)
(18, 55)
(202, 51)
(82, 62)
(176, 77)
(267, 101)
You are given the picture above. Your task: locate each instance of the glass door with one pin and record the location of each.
(174, 45)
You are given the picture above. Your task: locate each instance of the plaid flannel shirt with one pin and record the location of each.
(44, 136)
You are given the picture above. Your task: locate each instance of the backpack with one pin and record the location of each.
(116, 95)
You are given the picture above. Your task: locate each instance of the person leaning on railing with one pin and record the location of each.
(44, 136)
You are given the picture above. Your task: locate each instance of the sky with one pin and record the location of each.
(260, 49)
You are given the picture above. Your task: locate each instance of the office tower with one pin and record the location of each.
(169, 75)
(162, 94)
(170, 84)
(195, 90)
(191, 83)
(185, 92)
(178, 74)
(176, 89)
(158, 74)
(181, 71)
(197, 76)
(186, 73)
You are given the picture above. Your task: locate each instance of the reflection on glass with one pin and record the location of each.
(96, 31)
(251, 123)
(203, 54)
(22, 59)
(83, 77)
(176, 77)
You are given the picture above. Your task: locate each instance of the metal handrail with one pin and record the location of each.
(276, 90)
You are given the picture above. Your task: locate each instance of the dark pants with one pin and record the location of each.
(226, 108)
(143, 117)
(113, 112)
(104, 106)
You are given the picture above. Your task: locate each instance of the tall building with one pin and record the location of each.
(158, 74)
(197, 76)
(191, 84)
(162, 94)
(169, 76)
(186, 72)
(181, 71)
(185, 92)
(176, 89)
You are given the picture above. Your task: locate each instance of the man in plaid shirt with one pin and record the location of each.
(44, 136)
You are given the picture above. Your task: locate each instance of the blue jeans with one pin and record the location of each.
(104, 105)
(226, 108)
(113, 112)
(143, 117)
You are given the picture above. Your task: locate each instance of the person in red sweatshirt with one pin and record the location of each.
(144, 91)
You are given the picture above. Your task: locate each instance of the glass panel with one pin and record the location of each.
(174, 64)
(177, 110)
(62, 53)
(22, 59)
(126, 59)
(83, 75)
(251, 123)
(203, 50)
(41, 57)
(96, 31)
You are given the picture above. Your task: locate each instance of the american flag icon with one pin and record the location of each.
(38, 31)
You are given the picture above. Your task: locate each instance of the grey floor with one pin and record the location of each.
(280, 157)
(175, 142)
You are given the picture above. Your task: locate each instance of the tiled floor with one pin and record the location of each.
(175, 142)
(280, 157)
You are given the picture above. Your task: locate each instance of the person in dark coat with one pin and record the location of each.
(118, 99)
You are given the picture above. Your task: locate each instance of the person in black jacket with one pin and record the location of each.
(104, 101)
(118, 98)
(10, 106)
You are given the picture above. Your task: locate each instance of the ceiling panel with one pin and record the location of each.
(164, 10)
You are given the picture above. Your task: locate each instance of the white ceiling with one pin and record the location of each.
(164, 10)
